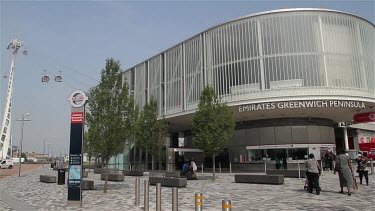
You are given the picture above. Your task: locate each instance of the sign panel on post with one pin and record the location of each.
(77, 117)
(77, 100)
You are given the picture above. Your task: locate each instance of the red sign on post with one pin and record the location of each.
(364, 117)
(77, 117)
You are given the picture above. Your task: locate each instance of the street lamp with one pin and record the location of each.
(20, 155)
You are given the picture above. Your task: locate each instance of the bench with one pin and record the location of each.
(288, 173)
(169, 181)
(88, 185)
(113, 177)
(172, 174)
(259, 179)
(47, 178)
(101, 170)
(132, 173)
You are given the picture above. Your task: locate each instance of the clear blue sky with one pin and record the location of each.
(75, 37)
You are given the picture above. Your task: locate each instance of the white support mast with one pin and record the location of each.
(5, 141)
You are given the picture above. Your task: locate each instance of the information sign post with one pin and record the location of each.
(77, 100)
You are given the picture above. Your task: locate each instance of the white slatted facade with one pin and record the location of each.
(155, 80)
(140, 85)
(273, 55)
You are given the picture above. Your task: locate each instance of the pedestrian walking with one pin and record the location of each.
(345, 171)
(285, 163)
(362, 169)
(313, 172)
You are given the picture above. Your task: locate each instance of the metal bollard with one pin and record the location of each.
(202, 168)
(174, 199)
(146, 196)
(372, 166)
(158, 197)
(265, 167)
(220, 167)
(230, 168)
(299, 171)
(198, 202)
(226, 205)
(137, 183)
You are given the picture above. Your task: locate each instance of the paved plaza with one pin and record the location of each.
(27, 193)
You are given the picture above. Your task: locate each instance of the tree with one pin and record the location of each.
(151, 132)
(110, 114)
(88, 147)
(213, 124)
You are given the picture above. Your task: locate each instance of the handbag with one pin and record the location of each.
(355, 185)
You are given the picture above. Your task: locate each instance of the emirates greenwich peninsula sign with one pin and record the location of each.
(302, 104)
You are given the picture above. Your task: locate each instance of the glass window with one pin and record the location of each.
(298, 153)
(279, 153)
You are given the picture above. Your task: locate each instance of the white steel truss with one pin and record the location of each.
(5, 142)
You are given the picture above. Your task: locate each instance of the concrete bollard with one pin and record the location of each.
(226, 205)
(372, 166)
(198, 202)
(174, 199)
(158, 197)
(146, 196)
(137, 184)
(321, 166)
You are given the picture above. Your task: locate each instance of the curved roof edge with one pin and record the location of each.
(250, 16)
(294, 10)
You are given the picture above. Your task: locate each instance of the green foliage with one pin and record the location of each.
(111, 113)
(151, 132)
(213, 123)
(88, 147)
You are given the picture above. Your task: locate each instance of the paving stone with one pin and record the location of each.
(120, 196)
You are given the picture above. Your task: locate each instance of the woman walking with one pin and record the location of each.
(344, 168)
(313, 173)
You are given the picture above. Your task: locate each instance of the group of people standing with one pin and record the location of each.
(189, 169)
(342, 165)
(329, 160)
(278, 163)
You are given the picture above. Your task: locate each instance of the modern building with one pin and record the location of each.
(294, 78)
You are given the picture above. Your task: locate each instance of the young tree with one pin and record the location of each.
(151, 132)
(213, 124)
(88, 147)
(110, 114)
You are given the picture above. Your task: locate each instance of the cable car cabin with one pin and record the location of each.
(45, 79)
(58, 77)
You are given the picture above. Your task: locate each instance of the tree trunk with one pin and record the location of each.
(146, 159)
(106, 177)
(152, 162)
(213, 167)
(159, 159)
(89, 163)
(140, 158)
(134, 155)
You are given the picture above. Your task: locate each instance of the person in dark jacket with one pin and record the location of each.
(285, 164)
(313, 172)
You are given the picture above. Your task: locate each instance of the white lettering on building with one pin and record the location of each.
(302, 104)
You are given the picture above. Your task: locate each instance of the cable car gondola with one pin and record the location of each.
(45, 77)
(58, 77)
